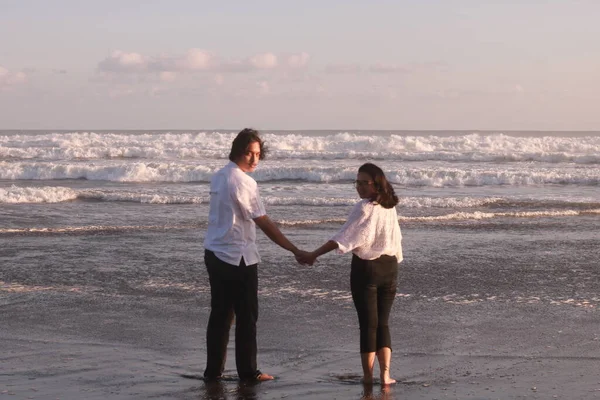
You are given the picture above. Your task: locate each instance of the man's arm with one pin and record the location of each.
(273, 233)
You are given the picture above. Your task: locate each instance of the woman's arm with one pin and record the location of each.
(330, 245)
(310, 258)
(349, 237)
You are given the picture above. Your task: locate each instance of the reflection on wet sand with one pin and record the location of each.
(216, 390)
(381, 393)
(219, 390)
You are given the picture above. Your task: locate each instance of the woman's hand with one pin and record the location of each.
(304, 257)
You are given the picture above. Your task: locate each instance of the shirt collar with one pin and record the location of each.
(231, 164)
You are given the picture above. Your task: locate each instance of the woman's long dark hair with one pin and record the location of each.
(385, 192)
(243, 140)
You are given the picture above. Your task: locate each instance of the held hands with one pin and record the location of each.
(304, 257)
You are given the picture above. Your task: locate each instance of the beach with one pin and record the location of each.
(104, 292)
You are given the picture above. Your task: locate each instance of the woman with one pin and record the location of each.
(372, 234)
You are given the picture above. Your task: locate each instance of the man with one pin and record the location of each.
(231, 257)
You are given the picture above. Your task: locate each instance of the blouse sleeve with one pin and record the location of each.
(355, 231)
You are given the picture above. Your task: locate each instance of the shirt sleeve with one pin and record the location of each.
(248, 198)
(355, 231)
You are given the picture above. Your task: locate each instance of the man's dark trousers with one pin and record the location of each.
(234, 290)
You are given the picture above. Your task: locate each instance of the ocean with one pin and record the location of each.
(101, 247)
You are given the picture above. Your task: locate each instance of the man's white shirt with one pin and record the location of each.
(234, 203)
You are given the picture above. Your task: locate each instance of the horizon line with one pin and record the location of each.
(303, 129)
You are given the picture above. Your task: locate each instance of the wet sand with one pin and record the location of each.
(482, 312)
(74, 346)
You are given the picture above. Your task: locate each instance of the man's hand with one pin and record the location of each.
(304, 257)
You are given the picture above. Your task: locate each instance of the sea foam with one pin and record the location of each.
(431, 176)
(344, 145)
(18, 195)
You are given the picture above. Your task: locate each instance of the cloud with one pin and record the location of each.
(381, 68)
(195, 60)
(157, 91)
(167, 76)
(299, 60)
(120, 61)
(264, 61)
(8, 78)
(219, 80)
(263, 87)
(494, 91)
(124, 62)
(343, 69)
(120, 91)
(377, 68)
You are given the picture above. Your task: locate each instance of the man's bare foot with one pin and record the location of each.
(264, 377)
(387, 381)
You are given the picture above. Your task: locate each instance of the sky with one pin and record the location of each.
(296, 65)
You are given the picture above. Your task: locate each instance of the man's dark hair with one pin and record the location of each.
(385, 192)
(243, 140)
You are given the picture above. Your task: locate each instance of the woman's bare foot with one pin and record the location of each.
(387, 381)
(367, 380)
(384, 356)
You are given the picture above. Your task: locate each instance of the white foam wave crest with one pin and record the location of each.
(146, 198)
(115, 172)
(293, 290)
(438, 176)
(310, 222)
(479, 215)
(319, 293)
(91, 145)
(51, 194)
(19, 195)
(92, 229)
(457, 177)
(11, 287)
(457, 216)
(58, 194)
(404, 202)
(447, 202)
(344, 145)
(471, 147)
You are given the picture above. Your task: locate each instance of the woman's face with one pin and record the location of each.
(365, 185)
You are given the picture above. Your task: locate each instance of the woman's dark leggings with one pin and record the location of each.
(373, 285)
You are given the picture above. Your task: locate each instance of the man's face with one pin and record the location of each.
(249, 160)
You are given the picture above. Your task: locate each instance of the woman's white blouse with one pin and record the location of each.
(370, 232)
